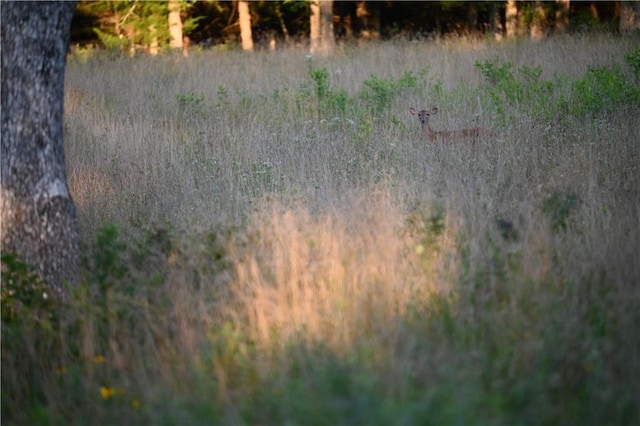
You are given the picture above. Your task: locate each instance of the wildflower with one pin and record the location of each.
(107, 392)
(135, 403)
(99, 359)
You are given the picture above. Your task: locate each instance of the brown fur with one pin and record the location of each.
(473, 134)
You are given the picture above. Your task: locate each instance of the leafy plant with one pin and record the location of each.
(381, 92)
(320, 77)
(110, 41)
(520, 89)
(189, 101)
(24, 296)
(602, 89)
(633, 60)
(558, 207)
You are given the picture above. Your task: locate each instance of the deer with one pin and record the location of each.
(472, 134)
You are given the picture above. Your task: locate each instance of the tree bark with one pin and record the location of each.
(175, 26)
(314, 27)
(244, 19)
(472, 18)
(496, 22)
(511, 18)
(321, 26)
(562, 15)
(38, 216)
(154, 45)
(368, 20)
(538, 26)
(326, 26)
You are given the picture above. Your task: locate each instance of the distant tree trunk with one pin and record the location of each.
(283, 26)
(326, 25)
(131, 36)
(153, 45)
(472, 18)
(314, 26)
(346, 19)
(368, 20)
(511, 18)
(175, 26)
(322, 39)
(593, 8)
(38, 216)
(538, 26)
(496, 21)
(629, 16)
(562, 15)
(244, 19)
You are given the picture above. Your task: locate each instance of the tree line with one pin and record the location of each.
(134, 25)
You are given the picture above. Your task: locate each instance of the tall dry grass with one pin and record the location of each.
(288, 256)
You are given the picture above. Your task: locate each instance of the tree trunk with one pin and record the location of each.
(38, 216)
(175, 26)
(562, 15)
(496, 22)
(629, 16)
(314, 27)
(322, 40)
(472, 18)
(244, 19)
(154, 48)
(368, 20)
(511, 18)
(538, 26)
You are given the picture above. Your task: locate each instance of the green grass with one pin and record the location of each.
(268, 239)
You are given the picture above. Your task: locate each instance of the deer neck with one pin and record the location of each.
(428, 132)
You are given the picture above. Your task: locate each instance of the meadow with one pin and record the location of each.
(269, 239)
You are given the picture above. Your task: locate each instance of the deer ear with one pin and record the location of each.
(412, 111)
(434, 110)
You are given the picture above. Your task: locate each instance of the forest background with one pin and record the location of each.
(149, 26)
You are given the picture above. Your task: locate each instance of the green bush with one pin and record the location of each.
(559, 207)
(633, 60)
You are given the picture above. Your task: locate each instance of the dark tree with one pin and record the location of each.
(38, 216)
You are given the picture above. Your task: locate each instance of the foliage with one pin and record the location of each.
(633, 60)
(111, 42)
(511, 90)
(381, 92)
(600, 90)
(124, 25)
(191, 103)
(558, 207)
(215, 22)
(24, 296)
(603, 89)
(320, 77)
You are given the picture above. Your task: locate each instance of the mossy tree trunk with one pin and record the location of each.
(39, 222)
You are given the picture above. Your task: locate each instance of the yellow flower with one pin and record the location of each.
(135, 403)
(98, 359)
(107, 392)
(61, 371)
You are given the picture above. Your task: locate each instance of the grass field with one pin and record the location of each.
(269, 240)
